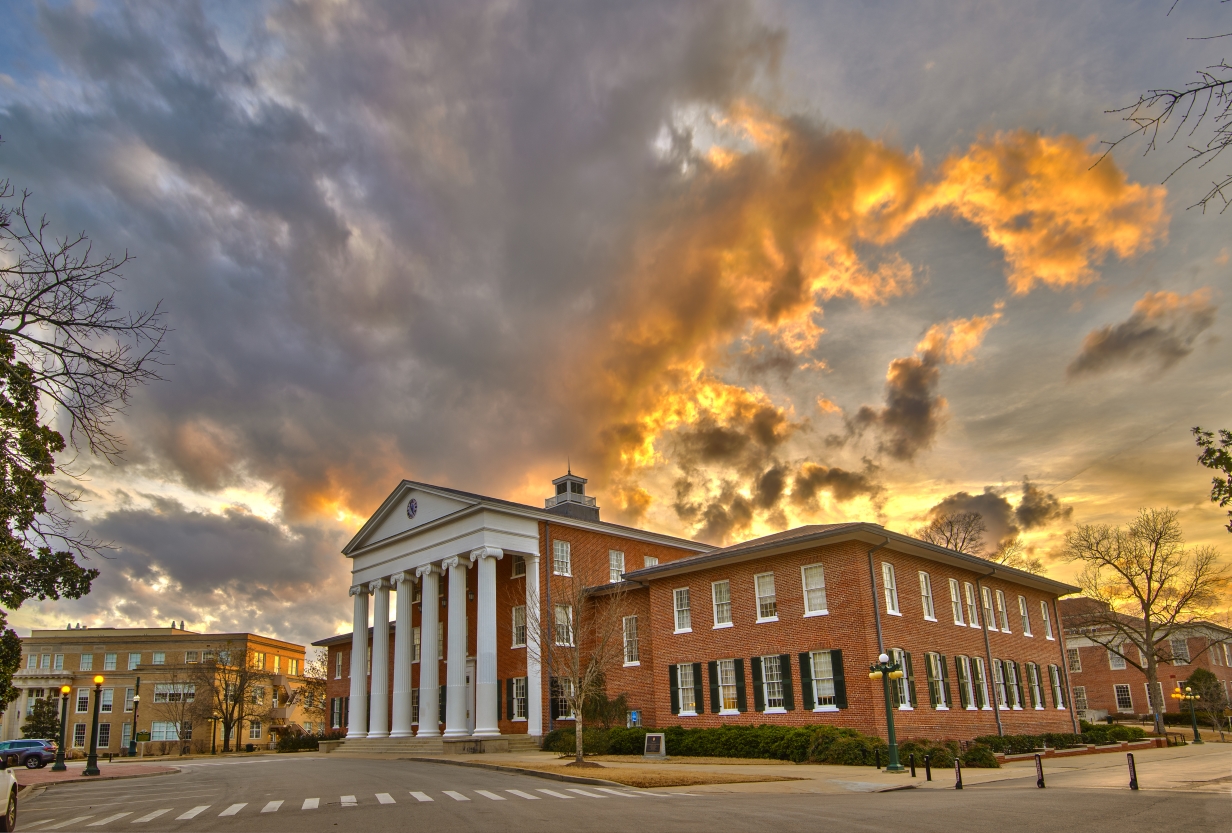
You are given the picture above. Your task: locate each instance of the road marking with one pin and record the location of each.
(101, 822)
(311, 804)
(151, 816)
(348, 801)
(583, 792)
(233, 809)
(37, 823)
(193, 813)
(272, 807)
(552, 793)
(77, 820)
(620, 793)
(492, 796)
(456, 796)
(385, 798)
(421, 796)
(521, 794)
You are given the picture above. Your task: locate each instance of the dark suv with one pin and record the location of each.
(31, 754)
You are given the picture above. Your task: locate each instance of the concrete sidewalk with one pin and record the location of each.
(38, 777)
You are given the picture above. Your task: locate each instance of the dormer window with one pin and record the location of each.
(561, 488)
(577, 488)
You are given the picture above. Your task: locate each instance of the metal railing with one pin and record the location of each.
(568, 497)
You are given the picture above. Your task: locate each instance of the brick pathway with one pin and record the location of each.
(28, 777)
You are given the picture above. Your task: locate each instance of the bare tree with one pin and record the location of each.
(1202, 109)
(961, 531)
(231, 688)
(175, 702)
(1147, 587)
(1013, 553)
(310, 696)
(580, 638)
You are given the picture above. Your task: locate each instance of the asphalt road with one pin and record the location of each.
(297, 793)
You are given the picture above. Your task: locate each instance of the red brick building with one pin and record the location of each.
(780, 629)
(1106, 669)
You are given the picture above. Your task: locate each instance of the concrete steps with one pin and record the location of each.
(415, 747)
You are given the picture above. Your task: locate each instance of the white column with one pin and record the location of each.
(429, 627)
(487, 689)
(455, 650)
(378, 719)
(534, 665)
(357, 727)
(404, 639)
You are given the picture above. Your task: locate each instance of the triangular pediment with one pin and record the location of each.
(410, 506)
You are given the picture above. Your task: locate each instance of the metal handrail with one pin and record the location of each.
(568, 497)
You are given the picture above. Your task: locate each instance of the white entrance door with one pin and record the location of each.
(470, 694)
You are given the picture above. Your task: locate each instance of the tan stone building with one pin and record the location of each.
(165, 661)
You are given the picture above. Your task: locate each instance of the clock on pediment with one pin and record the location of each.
(412, 508)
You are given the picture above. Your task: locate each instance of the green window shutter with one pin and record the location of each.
(1019, 678)
(896, 699)
(441, 703)
(840, 681)
(1064, 704)
(961, 674)
(742, 703)
(716, 702)
(509, 699)
(759, 700)
(699, 700)
(945, 681)
(553, 687)
(932, 684)
(977, 685)
(673, 676)
(806, 681)
(915, 701)
(789, 699)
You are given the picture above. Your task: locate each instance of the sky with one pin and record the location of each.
(744, 265)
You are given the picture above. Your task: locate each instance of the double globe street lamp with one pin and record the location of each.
(885, 671)
(59, 766)
(1188, 694)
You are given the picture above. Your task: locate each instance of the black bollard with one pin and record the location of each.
(1133, 772)
(928, 769)
(1039, 772)
(957, 774)
(877, 757)
(912, 764)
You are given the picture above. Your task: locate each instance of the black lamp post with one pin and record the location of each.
(885, 671)
(59, 766)
(1188, 694)
(132, 739)
(92, 760)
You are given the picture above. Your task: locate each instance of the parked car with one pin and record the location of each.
(31, 754)
(8, 822)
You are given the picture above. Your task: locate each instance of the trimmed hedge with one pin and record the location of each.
(813, 744)
(1092, 733)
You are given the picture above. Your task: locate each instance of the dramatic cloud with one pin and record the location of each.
(1004, 521)
(1161, 330)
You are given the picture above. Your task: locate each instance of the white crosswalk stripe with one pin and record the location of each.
(193, 813)
(553, 793)
(620, 793)
(77, 820)
(348, 801)
(421, 796)
(490, 795)
(311, 804)
(521, 794)
(385, 798)
(456, 796)
(272, 807)
(108, 820)
(40, 821)
(233, 809)
(151, 816)
(583, 792)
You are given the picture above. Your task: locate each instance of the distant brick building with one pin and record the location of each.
(1106, 682)
(777, 630)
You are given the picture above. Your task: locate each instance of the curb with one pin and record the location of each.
(551, 776)
(94, 779)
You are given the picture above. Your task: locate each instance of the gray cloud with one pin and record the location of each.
(1005, 521)
(1161, 330)
(913, 412)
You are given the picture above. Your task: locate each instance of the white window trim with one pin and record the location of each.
(825, 611)
(757, 596)
(676, 611)
(774, 618)
(775, 710)
(568, 551)
(715, 628)
(714, 606)
(826, 709)
(887, 570)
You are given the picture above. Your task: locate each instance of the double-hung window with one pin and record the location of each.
(129, 693)
(79, 735)
(727, 687)
(937, 689)
(650, 561)
(518, 568)
(1180, 650)
(86, 663)
(680, 603)
(686, 692)
(564, 625)
(902, 686)
(990, 616)
(1022, 612)
(109, 662)
(83, 700)
(57, 663)
(999, 684)
(926, 597)
(956, 602)
(338, 666)
(720, 595)
(813, 578)
(562, 563)
(159, 658)
(416, 644)
(1075, 660)
(1013, 684)
(1124, 697)
(519, 626)
(1116, 661)
(824, 692)
(1002, 613)
(630, 632)
(973, 610)
(104, 735)
(772, 682)
(1058, 690)
(519, 698)
(1047, 620)
(767, 606)
(1037, 685)
(891, 588)
(615, 565)
(966, 683)
(979, 680)
(107, 703)
(133, 661)
(1080, 698)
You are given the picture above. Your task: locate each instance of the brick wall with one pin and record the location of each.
(1099, 679)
